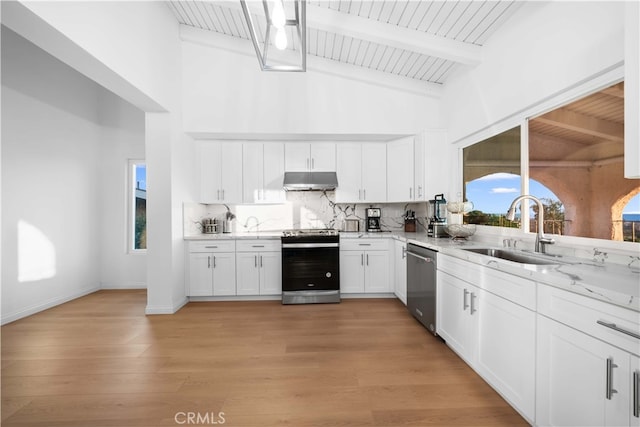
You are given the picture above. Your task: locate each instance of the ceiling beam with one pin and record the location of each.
(587, 125)
(332, 21)
(615, 90)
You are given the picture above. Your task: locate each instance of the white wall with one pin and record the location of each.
(546, 48)
(225, 92)
(66, 142)
(50, 154)
(122, 138)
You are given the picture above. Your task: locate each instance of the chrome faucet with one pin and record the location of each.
(541, 240)
(246, 223)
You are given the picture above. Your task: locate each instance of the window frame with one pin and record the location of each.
(131, 207)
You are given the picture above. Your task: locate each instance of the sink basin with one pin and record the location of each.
(512, 256)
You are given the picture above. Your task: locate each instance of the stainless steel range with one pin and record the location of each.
(310, 266)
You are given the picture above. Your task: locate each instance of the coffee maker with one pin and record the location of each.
(437, 216)
(372, 222)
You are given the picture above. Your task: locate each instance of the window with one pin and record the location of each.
(572, 159)
(138, 205)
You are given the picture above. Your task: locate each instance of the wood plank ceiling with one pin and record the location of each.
(419, 40)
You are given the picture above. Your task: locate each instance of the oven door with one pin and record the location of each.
(310, 266)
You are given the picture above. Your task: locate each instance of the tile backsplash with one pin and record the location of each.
(303, 209)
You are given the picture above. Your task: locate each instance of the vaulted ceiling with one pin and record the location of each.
(423, 41)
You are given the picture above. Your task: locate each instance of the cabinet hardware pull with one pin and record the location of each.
(410, 193)
(364, 244)
(610, 390)
(404, 252)
(617, 328)
(255, 260)
(214, 261)
(464, 300)
(209, 262)
(210, 247)
(364, 194)
(359, 194)
(260, 261)
(473, 296)
(257, 246)
(313, 163)
(419, 191)
(636, 394)
(223, 194)
(307, 163)
(361, 259)
(367, 259)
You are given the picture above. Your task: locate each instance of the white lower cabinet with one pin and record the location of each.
(259, 267)
(400, 270)
(364, 266)
(495, 336)
(212, 269)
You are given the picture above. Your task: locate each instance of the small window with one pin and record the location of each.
(138, 205)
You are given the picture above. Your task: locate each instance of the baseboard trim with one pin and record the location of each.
(47, 305)
(165, 309)
(123, 285)
(237, 298)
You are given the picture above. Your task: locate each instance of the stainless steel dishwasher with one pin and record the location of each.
(421, 285)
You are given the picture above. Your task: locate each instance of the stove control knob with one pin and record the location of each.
(328, 274)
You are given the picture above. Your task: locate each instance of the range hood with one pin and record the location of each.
(310, 181)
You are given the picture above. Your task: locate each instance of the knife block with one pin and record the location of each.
(410, 225)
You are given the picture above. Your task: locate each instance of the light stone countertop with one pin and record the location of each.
(613, 283)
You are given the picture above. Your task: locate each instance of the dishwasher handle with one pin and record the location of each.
(425, 259)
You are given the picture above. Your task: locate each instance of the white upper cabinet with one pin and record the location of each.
(220, 172)
(400, 170)
(361, 170)
(263, 172)
(315, 156)
(437, 166)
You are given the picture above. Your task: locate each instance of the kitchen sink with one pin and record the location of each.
(512, 256)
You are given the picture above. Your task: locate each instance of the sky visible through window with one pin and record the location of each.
(141, 177)
(494, 193)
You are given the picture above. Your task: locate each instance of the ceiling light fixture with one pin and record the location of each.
(278, 18)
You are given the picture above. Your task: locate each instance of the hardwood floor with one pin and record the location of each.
(99, 361)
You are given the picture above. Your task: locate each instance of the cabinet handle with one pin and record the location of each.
(255, 260)
(223, 194)
(610, 390)
(361, 259)
(617, 328)
(419, 191)
(473, 296)
(257, 246)
(364, 194)
(464, 300)
(214, 261)
(313, 163)
(359, 194)
(209, 262)
(307, 163)
(404, 252)
(410, 193)
(210, 247)
(367, 259)
(636, 394)
(260, 261)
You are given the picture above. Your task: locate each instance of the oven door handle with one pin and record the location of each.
(309, 245)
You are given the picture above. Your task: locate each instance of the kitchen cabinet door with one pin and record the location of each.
(634, 391)
(253, 171)
(505, 352)
(351, 272)
(210, 183)
(247, 273)
(323, 156)
(400, 170)
(437, 164)
(572, 379)
(296, 157)
(400, 270)
(200, 275)
(231, 172)
(376, 272)
(270, 273)
(455, 323)
(349, 172)
(374, 173)
(419, 159)
(273, 173)
(224, 274)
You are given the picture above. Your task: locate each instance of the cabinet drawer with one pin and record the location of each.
(213, 246)
(364, 244)
(258, 245)
(583, 313)
(510, 287)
